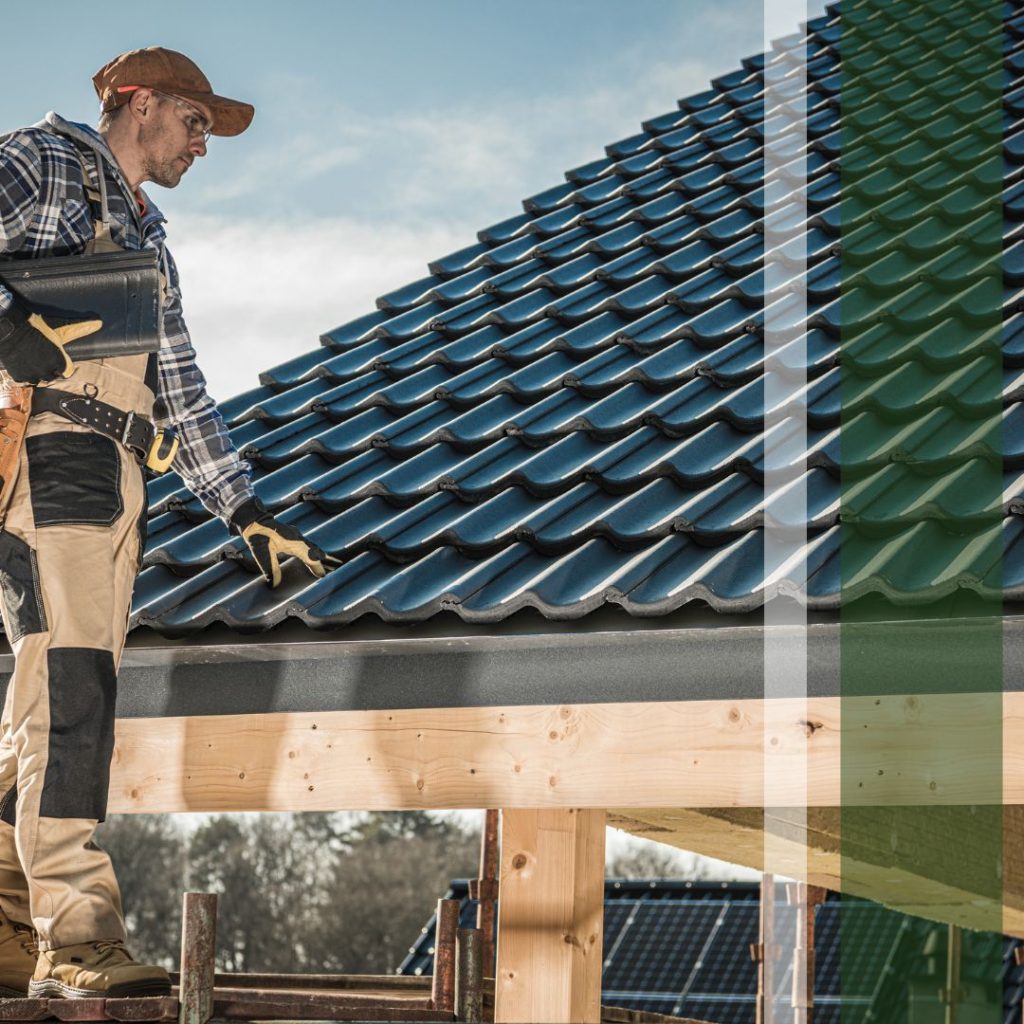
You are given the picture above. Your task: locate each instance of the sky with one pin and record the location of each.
(387, 133)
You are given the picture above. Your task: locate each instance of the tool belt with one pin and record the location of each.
(152, 447)
(15, 408)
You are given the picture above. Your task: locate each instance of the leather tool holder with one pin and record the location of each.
(121, 288)
(15, 409)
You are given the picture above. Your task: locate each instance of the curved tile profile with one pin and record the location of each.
(571, 410)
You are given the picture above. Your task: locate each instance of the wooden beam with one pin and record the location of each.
(737, 835)
(550, 916)
(557, 756)
(666, 754)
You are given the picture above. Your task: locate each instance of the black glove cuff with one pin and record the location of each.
(250, 511)
(12, 322)
(26, 354)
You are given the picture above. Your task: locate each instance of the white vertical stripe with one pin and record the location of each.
(785, 665)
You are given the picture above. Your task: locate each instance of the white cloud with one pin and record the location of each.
(256, 294)
(400, 191)
(305, 158)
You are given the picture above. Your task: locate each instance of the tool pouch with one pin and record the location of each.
(15, 409)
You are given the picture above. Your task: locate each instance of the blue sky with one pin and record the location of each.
(386, 133)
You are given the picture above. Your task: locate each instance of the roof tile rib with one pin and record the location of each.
(570, 411)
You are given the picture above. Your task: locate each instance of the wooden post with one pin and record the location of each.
(486, 889)
(550, 916)
(1018, 959)
(804, 898)
(198, 950)
(951, 992)
(816, 895)
(469, 975)
(763, 951)
(442, 990)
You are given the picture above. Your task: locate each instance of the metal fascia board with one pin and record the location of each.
(474, 671)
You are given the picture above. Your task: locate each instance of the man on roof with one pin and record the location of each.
(74, 515)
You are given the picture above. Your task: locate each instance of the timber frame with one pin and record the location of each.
(540, 729)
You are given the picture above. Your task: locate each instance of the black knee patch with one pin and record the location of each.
(74, 478)
(19, 585)
(8, 804)
(82, 692)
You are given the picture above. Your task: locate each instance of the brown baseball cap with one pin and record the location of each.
(170, 72)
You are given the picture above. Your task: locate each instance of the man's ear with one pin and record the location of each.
(142, 105)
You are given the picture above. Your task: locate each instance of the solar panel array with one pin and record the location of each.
(683, 949)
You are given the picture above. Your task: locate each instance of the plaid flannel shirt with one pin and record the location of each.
(44, 212)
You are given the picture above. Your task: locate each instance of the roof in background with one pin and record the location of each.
(568, 413)
(683, 948)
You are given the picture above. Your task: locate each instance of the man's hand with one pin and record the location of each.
(32, 348)
(270, 541)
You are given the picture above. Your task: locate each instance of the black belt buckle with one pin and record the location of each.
(137, 435)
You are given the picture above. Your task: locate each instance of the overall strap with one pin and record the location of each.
(97, 199)
(146, 367)
(102, 241)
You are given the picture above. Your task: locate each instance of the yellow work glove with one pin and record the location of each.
(63, 335)
(270, 541)
(32, 347)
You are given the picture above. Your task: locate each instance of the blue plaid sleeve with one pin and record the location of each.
(206, 459)
(21, 171)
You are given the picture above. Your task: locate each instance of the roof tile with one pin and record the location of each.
(570, 411)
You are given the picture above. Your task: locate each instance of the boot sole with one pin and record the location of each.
(52, 989)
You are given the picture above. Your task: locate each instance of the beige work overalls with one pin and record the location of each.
(70, 549)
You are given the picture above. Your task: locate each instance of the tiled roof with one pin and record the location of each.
(570, 411)
(683, 948)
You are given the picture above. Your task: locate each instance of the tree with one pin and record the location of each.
(383, 827)
(382, 892)
(646, 859)
(298, 893)
(270, 878)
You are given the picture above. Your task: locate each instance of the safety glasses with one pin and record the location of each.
(196, 123)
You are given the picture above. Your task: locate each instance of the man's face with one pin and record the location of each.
(172, 139)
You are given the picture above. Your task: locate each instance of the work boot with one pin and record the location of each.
(102, 968)
(18, 954)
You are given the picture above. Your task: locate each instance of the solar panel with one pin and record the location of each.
(663, 946)
(737, 1009)
(726, 966)
(683, 949)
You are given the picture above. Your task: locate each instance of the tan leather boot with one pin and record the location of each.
(18, 955)
(103, 968)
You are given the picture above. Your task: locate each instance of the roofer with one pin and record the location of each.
(75, 518)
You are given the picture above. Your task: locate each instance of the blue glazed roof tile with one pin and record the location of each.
(570, 411)
(457, 262)
(236, 409)
(355, 331)
(626, 147)
(590, 172)
(548, 199)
